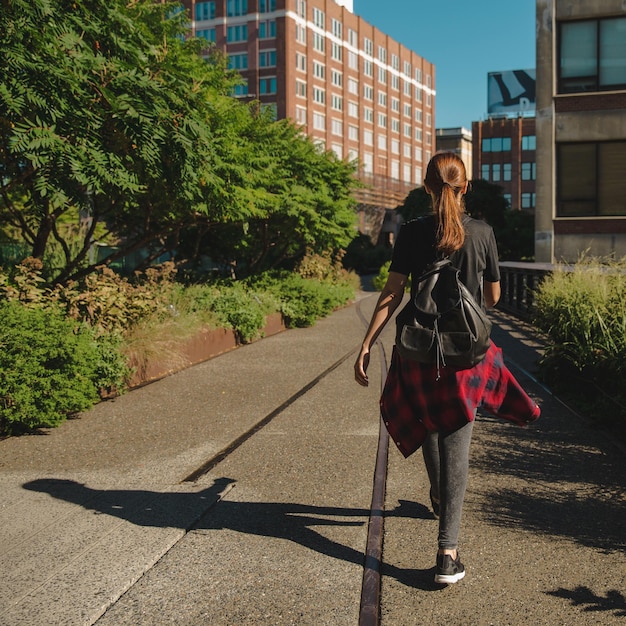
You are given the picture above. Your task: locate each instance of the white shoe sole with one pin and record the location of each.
(444, 579)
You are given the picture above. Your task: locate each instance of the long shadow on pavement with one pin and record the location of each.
(283, 520)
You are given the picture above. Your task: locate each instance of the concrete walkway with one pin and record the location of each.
(99, 525)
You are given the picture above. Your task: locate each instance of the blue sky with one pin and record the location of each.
(465, 39)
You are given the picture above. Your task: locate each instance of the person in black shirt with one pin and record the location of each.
(471, 246)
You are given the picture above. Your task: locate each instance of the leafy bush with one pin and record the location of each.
(303, 300)
(583, 312)
(381, 278)
(50, 368)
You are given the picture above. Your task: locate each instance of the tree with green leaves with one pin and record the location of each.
(108, 113)
(304, 203)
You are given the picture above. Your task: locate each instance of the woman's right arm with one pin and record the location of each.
(491, 293)
(389, 300)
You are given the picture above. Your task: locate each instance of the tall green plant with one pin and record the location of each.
(584, 313)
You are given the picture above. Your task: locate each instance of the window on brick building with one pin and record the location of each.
(238, 61)
(319, 19)
(529, 142)
(590, 179)
(205, 10)
(267, 85)
(206, 33)
(528, 200)
(236, 7)
(484, 171)
(237, 33)
(592, 55)
(529, 170)
(267, 58)
(267, 29)
(319, 121)
(265, 6)
(506, 171)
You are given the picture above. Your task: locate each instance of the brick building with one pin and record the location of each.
(352, 87)
(581, 129)
(504, 154)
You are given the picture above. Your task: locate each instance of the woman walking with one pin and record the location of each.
(434, 406)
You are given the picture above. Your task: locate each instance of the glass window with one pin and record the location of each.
(528, 200)
(506, 144)
(238, 61)
(528, 171)
(241, 89)
(236, 7)
(592, 55)
(337, 28)
(506, 171)
(319, 18)
(508, 197)
(206, 33)
(529, 142)
(496, 172)
(237, 33)
(484, 172)
(267, 29)
(267, 85)
(486, 144)
(319, 121)
(612, 52)
(496, 144)
(265, 6)
(205, 10)
(318, 42)
(319, 95)
(336, 127)
(590, 179)
(267, 58)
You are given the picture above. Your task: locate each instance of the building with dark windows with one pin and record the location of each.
(350, 86)
(581, 129)
(504, 154)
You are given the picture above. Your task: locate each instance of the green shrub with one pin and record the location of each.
(242, 311)
(583, 313)
(303, 301)
(381, 278)
(50, 368)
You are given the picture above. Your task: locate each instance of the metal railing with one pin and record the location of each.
(519, 282)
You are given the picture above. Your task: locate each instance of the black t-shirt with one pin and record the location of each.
(477, 260)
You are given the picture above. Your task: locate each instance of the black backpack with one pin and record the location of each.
(443, 323)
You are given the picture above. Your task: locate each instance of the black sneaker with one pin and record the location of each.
(448, 570)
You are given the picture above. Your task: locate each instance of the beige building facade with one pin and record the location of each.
(581, 129)
(459, 141)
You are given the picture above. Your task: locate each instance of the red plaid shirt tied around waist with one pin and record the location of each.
(414, 402)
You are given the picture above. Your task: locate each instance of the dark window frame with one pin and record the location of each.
(562, 83)
(595, 201)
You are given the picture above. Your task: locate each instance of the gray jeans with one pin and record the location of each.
(447, 464)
